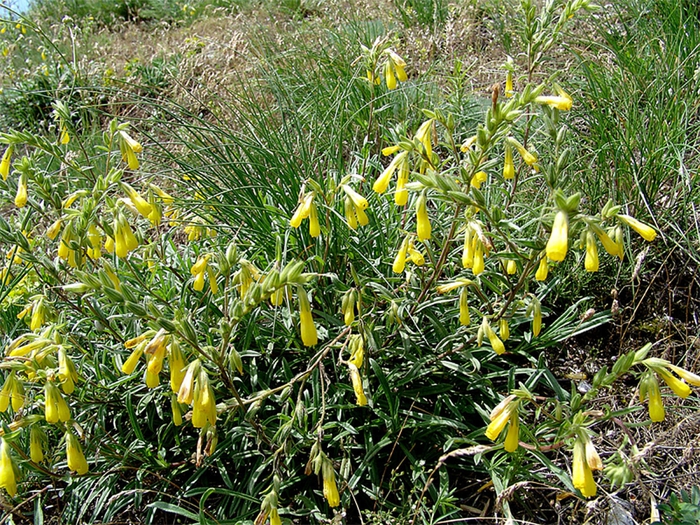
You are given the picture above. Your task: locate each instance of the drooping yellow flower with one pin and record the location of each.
(382, 182)
(494, 340)
(129, 147)
(511, 267)
(186, 393)
(542, 270)
(178, 365)
(503, 329)
(5, 162)
(512, 440)
(356, 379)
(204, 402)
(529, 158)
(679, 387)
(647, 232)
(591, 260)
(389, 75)
(141, 204)
(649, 387)
(55, 407)
(36, 441)
(94, 251)
(21, 196)
(691, 378)
(619, 238)
(8, 480)
(399, 64)
(309, 336)
(557, 102)
(508, 164)
(199, 270)
(67, 373)
(478, 179)
(130, 364)
(592, 458)
(424, 136)
(401, 193)
(400, 259)
(478, 265)
(558, 243)
(350, 215)
(64, 137)
(423, 228)
(414, 255)
(314, 226)
(609, 245)
(464, 317)
(74, 455)
(500, 416)
(330, 489)
(509, 84)
(582, 476)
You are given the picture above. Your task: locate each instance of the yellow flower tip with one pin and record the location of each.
(464, 317)
(656, 404)
(423, 228)
(275, 517)
(512, 440)
(390, 77)
(542, 270)
(558, 243)
(558, 102)
(478, 261)
(390, 150)
(509, 84)
(400, 259)
(358, 200)
(468, 144)
(498, 423)
(74, 455)
(356, 379)
(133, 145)
(314, 225)
(5, 162)
(511, 267)
(508, 164)
(21, 196)
(478, 178)
(582, 476)
(591, 261)
(415, 256)
(647, 232)
(691, 378)
(8, 481)
(679, 387)
(65, 137)
(330, 491)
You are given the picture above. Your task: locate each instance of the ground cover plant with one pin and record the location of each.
(340, 285)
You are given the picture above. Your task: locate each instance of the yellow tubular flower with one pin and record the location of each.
(468, 250)
(401, 193)
(609, 245)
(362, 218)
(542, 270)
(350, 213)
(65, 137)
(54, 229)
(400, 259)
(498, 423)
(21, 196)
(591, 261)
(74, 455)
(511, 267)
(558, 242)
(423, 228)
(8, 480)
(141, 204)
(560, 103)
(618, 236)
(513, 436)
(647, 232)
(36, 438)
(204, 405)
(275, 517)
(5, 162)
(478, 179)
(414, 255)
(309, 336)
(691, 378)
(302, 211)
(424, 136)
(67, 373)
(109, 244)
(389, 75)
(478, 266)
(679, 387)
(358, 200)
(330, 489)
(509, 84)
(508, 165)
(537, 320)
(186, 392)
(382, 182)
(175, 409)
(503, 329)
(314, 226)
(582, 477)
(529, 158)
(649, 386)
(464, 318)
(177, 366)
(494, 340)
(130, 364)
(17, 396)
(467, 145)
(357, 385)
